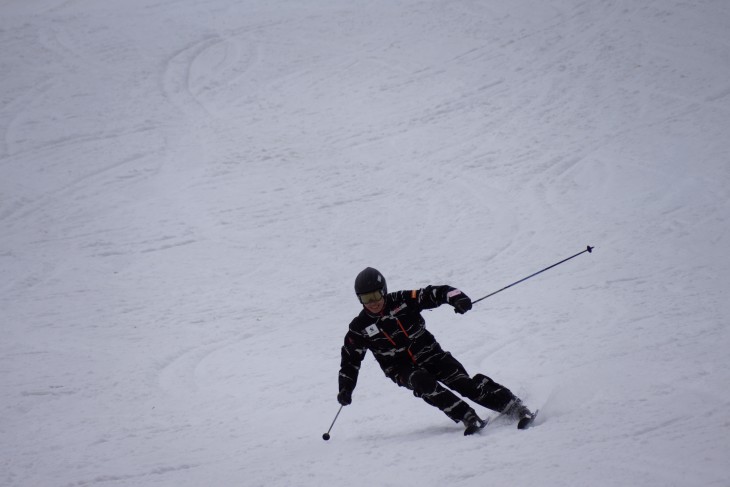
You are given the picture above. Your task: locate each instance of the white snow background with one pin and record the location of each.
(188, 189)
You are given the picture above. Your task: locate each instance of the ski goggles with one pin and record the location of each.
(371, 297)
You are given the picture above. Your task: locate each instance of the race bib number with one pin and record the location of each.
(372, 330)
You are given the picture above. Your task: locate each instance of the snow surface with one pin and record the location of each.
(188, 189)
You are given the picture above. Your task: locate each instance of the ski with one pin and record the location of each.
(522, 424)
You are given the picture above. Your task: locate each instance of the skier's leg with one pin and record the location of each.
(480, 389)
(424, 385)
(493, 395)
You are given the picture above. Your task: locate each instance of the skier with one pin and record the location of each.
(392, 328)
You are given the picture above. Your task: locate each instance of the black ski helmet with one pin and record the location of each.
(370, 280)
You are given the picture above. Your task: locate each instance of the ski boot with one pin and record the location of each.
(519, 412)
(472, 423)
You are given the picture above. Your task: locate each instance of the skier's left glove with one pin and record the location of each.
(344, 397)
(460, 301)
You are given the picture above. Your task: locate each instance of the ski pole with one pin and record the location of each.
(589, 249)
(326, 436)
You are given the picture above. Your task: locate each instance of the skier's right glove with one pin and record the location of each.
(344, 397)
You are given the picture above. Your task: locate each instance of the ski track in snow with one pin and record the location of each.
(188, 189)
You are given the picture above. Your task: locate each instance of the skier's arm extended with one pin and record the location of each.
(353, 352)
(434, 296)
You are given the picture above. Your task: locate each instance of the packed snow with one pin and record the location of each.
(188, 189)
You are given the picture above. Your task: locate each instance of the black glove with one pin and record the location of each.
(344, 397)
(461, 303)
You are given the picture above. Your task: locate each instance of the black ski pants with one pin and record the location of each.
(427, 380)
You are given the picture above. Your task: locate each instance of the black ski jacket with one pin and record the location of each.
(396, 337)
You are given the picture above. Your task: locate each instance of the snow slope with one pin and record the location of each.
(188, 189)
